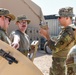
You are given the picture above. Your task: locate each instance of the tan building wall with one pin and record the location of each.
(30, 9)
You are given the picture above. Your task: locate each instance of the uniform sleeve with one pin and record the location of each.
(64, 40)
(13, 35)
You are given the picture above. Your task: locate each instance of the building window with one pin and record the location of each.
(47, 23)
(37, 38)
(30, 31)
(30, 39)
(37, 31)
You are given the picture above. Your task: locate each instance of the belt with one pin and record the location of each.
(58, 59)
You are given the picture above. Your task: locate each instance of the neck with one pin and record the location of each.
(3, 28)
(23, 31)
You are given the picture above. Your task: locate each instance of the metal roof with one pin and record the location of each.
(50, 17)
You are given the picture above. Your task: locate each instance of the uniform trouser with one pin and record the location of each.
(24, 52)
(71, 69)
(58, 66)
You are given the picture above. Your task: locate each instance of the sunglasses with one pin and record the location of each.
(59, 17)
(7, 17)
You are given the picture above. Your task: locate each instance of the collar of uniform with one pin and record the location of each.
(73, 26)
(2, 30)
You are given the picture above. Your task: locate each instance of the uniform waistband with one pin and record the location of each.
(58, 59)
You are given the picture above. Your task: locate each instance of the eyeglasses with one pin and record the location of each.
(59, 17)
(22, 22)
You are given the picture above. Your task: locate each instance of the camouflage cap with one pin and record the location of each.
(11, 16)
(5, 12)
(23, 17)
(66, 12)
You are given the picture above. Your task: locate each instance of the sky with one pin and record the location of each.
(50, 7)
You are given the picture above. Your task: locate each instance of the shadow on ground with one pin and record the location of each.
(41, 53)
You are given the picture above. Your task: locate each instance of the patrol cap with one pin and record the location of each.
(11, 16)
(5, 12)
(66, 12)
(23, 17)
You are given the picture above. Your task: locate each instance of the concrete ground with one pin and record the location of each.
(43, 61)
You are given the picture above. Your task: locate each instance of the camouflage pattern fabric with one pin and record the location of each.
(71, 61)
(24, 41)
(23, 17)
(58, 67)
(65, 12)
(60, 49)
(6, 12)
(3, 11)
(70, 70)
(4, 37)
(25, 52)
(64, 42)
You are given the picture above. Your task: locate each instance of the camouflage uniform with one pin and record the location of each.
(3, 34)
(4, 37)
(71, 61)
(60, 48)
(24, 43)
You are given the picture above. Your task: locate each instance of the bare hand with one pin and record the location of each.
(44, 33)
(15, 45)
